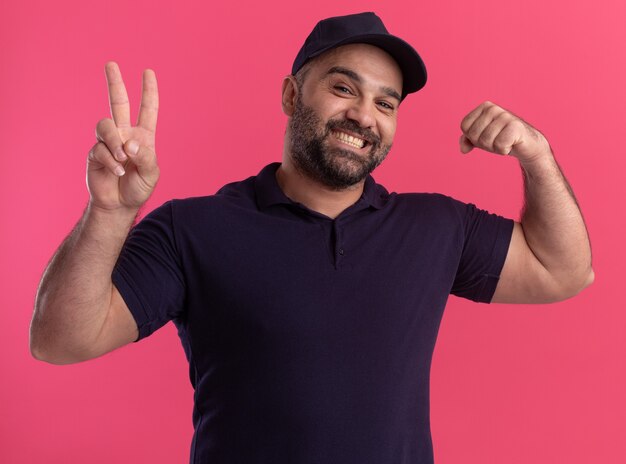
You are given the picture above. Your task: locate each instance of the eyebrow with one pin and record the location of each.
(355, 77)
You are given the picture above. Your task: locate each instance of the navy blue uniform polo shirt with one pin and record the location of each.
(309, 339)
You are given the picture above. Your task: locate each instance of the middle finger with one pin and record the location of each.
(483, 121)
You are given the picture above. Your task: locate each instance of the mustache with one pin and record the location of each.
(352, 126)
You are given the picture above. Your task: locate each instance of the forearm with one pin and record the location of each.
(75, 291)
(553, 224)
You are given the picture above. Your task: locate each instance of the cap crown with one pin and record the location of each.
(363, 28)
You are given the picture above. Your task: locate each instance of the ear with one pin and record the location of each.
(289, 94)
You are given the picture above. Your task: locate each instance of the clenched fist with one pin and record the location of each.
(122, 168)
(494, 129)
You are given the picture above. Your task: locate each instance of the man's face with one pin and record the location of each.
(345, 115)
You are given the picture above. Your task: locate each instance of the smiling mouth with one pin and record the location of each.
(355, 142)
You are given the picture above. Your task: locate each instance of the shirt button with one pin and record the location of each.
(341, 251)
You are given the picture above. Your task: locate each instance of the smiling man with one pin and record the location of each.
(340, 151)
(307, 298)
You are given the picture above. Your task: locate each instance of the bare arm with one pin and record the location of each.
(79, 314)
(549, 257)
(550, 247)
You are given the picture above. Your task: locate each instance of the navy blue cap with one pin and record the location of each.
(364, 28)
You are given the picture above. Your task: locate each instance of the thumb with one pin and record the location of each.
(145, 160)
(465, 144)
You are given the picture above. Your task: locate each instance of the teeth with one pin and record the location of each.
(354, 141)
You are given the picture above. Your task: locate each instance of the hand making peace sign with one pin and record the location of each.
(122, 169)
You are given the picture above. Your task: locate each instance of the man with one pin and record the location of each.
(307, 298)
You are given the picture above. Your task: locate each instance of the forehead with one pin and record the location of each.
(373, 64)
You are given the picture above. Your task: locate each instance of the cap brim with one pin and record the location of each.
(411, 64)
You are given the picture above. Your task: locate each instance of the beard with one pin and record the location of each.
(333, 167)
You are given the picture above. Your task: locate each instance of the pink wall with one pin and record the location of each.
(510, 384)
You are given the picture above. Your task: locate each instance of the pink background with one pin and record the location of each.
(510, 384)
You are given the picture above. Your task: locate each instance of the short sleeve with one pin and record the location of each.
(148, 273)
(486, 239)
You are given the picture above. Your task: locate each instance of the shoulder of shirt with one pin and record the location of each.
(239, 192)
(427, 198)
(431, 205)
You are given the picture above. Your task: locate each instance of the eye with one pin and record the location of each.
(343, 89)
(386, 105)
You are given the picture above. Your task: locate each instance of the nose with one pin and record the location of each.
(361, 112)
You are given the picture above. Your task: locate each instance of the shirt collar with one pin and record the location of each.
(269, 193)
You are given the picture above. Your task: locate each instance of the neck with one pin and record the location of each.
(312, 194)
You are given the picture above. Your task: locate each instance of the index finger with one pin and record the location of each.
(468, 120)
(149, 107)
(118, 98)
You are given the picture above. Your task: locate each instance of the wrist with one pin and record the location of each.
(122, 212)
(538, 162)
(109, 220)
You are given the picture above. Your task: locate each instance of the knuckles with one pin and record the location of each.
(501, 146)
(485, 138)
(493, 111)
(103, 127)
(99, 152)
(497, 130)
